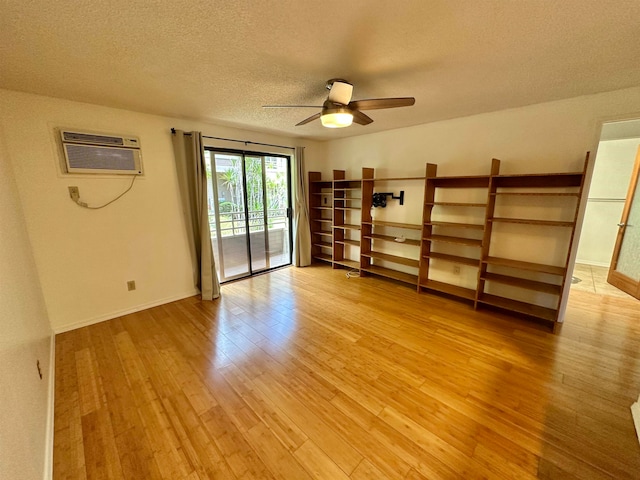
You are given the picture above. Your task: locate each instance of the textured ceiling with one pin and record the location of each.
(219, 61)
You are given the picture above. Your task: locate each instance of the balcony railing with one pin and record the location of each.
(234, 223)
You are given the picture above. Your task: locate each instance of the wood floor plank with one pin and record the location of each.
(317, 463)
(304, 373)
(274, 454)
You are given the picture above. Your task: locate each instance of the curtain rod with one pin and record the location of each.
(246, 142)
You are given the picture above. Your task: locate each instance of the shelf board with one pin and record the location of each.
(327, 183)
(391, 238)
(346, 189)
(323, 244)
(347, 208)
(517, 264)
(355, 243)
(458, 204)
(347, 263)
(538, 194)
(392, 179)
(456, 225)
(523, 283)
(324, 257)
(323, 220)
(459, 240)
(348, 226)
(349, 199)
(338, 180)
(449, 289)
(454, 258)
(411, 226)
(394, 274)
(528, 221)
(321, 193)
(322, 232)
(530, 309)
(409, 262)
(471, 181)
(539, 180)
(321, 208)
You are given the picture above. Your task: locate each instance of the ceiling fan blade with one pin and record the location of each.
(361, 118)
(340, 92)
(378, 103)
(310, 119)
(291, 106)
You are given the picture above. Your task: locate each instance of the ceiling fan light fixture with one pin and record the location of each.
(336, 117)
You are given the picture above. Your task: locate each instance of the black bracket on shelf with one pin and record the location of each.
(380, 198)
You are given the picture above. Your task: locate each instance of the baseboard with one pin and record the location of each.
(595, 264)
(635, 412)
(48, 451)
(112, 315)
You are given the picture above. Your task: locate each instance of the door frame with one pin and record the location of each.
(243, 154)
(615, 278)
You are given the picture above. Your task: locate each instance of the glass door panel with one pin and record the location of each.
(231, 245)
(624, 272)
(277, 219)
(254, 174)
(629, 258)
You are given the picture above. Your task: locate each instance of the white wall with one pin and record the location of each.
(609, 185)
(84, 258)
(25, 338)
(549, 137)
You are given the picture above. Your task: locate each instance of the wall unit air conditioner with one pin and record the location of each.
(101, 153)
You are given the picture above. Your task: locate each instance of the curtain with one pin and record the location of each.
(192, 180)
(301, 228)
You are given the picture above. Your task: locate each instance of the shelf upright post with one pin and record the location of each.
(488, 225)
(366, 220)
(427, 228)
(562, 300)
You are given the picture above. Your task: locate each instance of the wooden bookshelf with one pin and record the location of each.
(515, 272)
(378, 231)
(341, 208)
(320, 217)
(435, 233)
(345, 216)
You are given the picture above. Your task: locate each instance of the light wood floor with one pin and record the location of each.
(303, 373)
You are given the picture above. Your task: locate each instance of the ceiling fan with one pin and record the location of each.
(339, 111)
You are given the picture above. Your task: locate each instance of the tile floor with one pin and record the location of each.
(594, 279)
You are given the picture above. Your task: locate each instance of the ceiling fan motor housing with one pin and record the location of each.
(340, 91)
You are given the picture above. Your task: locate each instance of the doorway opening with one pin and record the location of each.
(608, 194)
(249, 211)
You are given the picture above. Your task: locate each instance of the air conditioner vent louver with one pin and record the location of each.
(106, 154)
(92, 139)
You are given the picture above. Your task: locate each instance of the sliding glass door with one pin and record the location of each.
(249, 212)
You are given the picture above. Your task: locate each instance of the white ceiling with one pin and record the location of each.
(220, 60)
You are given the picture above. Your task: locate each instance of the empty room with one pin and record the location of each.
(335, 240)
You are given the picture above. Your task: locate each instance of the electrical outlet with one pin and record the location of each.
(131, 285)
(456, 269)
(74, 192)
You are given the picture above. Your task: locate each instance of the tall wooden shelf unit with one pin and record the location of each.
(340, 207)
(320, 217)
(347, 208)
(460, 234)
(334, 210)
(544, 282)
(376, 234)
